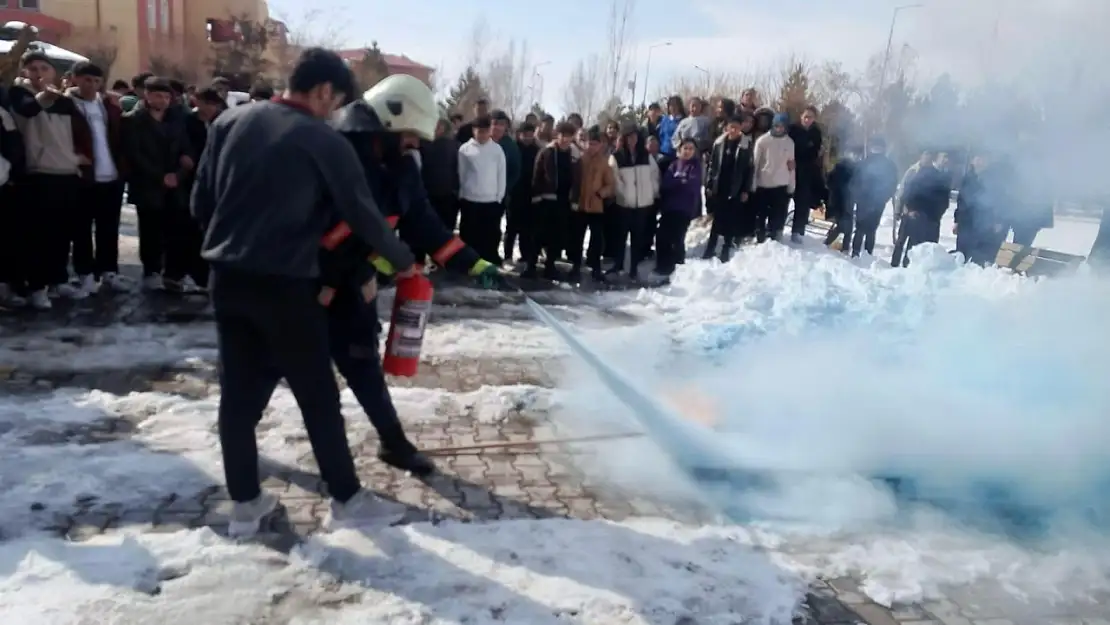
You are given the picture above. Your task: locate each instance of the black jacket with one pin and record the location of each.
(152, 149)
(522, 191)
(839, 203)
(742, 172)
(271, 182)
(874, 183)
(440, 167)
(398, 187)
(929, 193)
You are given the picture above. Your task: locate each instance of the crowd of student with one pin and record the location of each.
(633, 188)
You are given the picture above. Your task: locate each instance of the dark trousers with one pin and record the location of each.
(731, 221)
(516, 210)
(615, 228)
(628, 224)
(912, 231)
(95, 235)
(670, 249)
(981, 247)
(268, 328)
(15, 219)
(152, 238)
(353, 330)
(804, 202)
(480, 226)
(52, 206)
(580, 222)
(771, 205)
(183, 240)
(867, 225)
(447, 207)
(547, 229)
(651, 227)
(844, 225)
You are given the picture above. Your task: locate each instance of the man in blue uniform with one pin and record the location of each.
(383, 126)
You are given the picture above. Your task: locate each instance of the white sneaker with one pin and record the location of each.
(246, 516)
(365, 509)
(116, 282)
(89, 284)
(10, 298)
(72, 290)
(153, 282)
(40, 300)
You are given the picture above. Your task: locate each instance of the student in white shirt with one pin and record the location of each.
(773, 182)
(482, 180)
(96, 261)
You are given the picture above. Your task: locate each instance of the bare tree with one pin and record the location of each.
(99, 46)
(314, 28)
(617, 65)
(506, 76)
(583, 94)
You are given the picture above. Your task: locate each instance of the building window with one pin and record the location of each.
(166, 16)
(30, 5)
(152, 14)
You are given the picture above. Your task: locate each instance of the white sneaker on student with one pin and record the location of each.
(247, 516)
(72, 290)
(89, 284)
(9, 297)
(40, 300)
(116, 282)
(153, 282)
(365, 509)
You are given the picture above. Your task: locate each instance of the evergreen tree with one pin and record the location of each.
(794, 95)
(465, 93)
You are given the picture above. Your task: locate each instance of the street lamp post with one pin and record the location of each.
(708, 80)
(532, 88)
(647, 70)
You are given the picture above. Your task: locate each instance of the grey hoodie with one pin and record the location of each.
(696, 128)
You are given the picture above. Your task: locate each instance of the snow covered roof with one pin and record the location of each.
(52, 51)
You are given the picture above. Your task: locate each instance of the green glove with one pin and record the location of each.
(488, 275)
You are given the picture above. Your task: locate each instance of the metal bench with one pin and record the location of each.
(1036, 262)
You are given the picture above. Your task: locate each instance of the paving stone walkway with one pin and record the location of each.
(486, 485)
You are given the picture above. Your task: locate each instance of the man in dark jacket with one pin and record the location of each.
(209, 106)
(727, 182)
(520, 195)
(926, 199)
(555, 182)
(873, 185)
(981, 210)
(809, 187)
(272, 181)
(440, 159)
(156, 149)
(466, 131)
(13, 218)
(513, 164)
(839, 207)
(380, 136)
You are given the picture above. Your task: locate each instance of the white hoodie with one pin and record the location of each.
(482, 172)
(772, 159)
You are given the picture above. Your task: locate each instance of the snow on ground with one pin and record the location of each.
(535, 572)
(818, 371)
(985, 392)
(176, 448)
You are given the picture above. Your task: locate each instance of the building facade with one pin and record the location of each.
(140, 34)
(397, 64)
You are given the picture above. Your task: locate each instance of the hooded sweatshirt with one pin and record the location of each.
(48, 131)
(697, 128)
(680, 188)
(667, 126)
(482, 172)
(772, 157)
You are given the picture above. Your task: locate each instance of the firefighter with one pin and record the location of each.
(384, 126)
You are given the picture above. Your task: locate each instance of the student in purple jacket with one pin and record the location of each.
(680, 202)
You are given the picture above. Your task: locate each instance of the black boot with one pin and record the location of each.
(531, 273)
(408, 458)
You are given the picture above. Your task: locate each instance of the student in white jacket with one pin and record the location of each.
(482, 179)
(773, 182)
(637, 177)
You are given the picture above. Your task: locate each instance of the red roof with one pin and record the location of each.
(43, 22)
(398, 61)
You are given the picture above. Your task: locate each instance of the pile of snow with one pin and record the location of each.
(982, 391)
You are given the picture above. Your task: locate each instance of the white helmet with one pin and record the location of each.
(404, 103)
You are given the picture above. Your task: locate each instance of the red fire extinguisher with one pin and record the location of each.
(411, 306)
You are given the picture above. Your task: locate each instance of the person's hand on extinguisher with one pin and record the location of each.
(488, 275)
